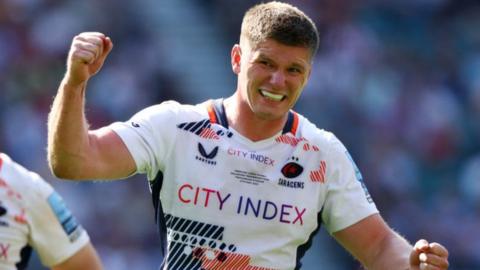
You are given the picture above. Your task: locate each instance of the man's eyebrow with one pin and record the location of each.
(263, 56)
(298, 65)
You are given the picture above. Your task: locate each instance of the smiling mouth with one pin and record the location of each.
(271, 96)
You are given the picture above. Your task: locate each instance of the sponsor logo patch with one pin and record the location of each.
(359, 177)
(64, 216)
(206, 157)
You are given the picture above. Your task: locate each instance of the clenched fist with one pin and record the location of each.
(86, 56)
(429, 256)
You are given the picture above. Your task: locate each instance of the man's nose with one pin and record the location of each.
(277, 79)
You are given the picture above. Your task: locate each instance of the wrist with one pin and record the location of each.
(71, 84)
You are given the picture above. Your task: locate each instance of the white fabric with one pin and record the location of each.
(33, 215)
(238, 185)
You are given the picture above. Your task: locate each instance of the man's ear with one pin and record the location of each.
(236, 58)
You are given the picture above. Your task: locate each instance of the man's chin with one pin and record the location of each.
(269, 116)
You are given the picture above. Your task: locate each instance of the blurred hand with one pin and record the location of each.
(87, 55)
(428, 256)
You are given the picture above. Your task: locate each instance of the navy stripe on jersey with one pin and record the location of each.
(303, 248)
(196, 228)
(155, 187)
(195, 127)
(25, 254)
(289, 125)
(203, 128)
(190, 239)
(220, 114)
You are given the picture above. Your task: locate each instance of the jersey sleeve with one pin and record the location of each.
(347, 200)
(148, 136)
(55, 234)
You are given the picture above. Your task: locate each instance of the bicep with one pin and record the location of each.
(363, 239)
(111, 157)
(85, 258)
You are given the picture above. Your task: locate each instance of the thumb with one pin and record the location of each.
(420, 247)
(107, 48)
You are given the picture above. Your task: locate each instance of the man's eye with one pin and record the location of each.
(294, 70)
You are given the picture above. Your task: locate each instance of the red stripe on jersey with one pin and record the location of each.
(209, 133)
(295, 123)
(3, 183)
(319, 175)
(211, 113)
(306, 147)
(229, 260)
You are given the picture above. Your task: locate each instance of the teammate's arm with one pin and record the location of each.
(85, 258)
(74, 152)
(377, 246)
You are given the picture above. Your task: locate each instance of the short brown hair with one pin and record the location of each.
(281, 22)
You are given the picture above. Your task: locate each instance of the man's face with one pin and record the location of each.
(271, 76)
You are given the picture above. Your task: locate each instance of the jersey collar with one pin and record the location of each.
(217, 115)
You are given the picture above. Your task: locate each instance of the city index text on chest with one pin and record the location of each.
(240, 204)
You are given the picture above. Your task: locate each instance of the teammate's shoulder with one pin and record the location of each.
(20, 178)
(9, 167)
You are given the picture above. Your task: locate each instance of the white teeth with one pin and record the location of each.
(272, 96)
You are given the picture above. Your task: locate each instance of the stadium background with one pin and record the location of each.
(397, 81)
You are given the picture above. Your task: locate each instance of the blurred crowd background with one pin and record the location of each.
(397, 81)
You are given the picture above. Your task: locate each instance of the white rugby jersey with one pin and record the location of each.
(227, 202)
(33, 215)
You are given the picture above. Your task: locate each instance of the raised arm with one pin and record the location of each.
(377, 246)
(75, 152)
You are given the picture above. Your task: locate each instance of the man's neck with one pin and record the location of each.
(241, 118)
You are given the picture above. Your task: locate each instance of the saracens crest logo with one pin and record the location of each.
(290, 170)
(207, 157)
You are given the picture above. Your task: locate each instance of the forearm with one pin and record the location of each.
(68, 131)
(86, 258)
(393, 253)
